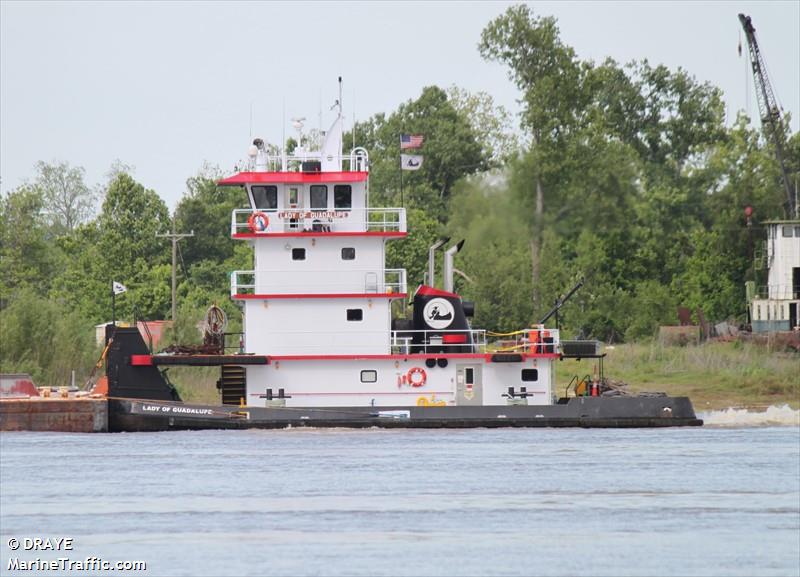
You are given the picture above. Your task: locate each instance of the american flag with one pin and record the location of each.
(410, 141)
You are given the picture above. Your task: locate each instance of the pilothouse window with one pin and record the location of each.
(319, 197)
(265, 197)
(342, 197)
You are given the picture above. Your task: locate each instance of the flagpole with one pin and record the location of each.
(402, 204)
(113, 305)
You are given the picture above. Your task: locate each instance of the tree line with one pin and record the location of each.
(625, 175)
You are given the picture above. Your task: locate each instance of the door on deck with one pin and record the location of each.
(792, 316)
(294, 204)
(469, 387)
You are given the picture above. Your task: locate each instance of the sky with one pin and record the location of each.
(166, 87)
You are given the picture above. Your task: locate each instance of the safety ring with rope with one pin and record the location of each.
(413, 372)
(258, 222)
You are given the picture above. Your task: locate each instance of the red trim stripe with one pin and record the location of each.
(425, 290)
(421, 392)
(292, 178)
(321, 296)
(410, 357)
(315, 234)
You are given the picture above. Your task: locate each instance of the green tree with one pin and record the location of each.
(28, 257)
(66, 196)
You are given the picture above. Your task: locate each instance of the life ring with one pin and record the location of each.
(417, 371)
(258, 222)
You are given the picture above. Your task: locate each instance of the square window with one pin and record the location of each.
(355, 315)
(319, 197)
(348, 253)
(369, 376)
(787, 231)
(529, 375)
(265, 197)
(342, 197)
(298, 254)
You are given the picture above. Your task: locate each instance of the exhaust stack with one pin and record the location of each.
(432, 258)
(449, 254)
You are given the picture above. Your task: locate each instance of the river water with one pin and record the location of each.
(718, 500)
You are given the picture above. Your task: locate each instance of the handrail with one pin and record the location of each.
(777, 291)
(356, 161)
(354, 281)
(322, 221)
(537, 340)
(438, 341)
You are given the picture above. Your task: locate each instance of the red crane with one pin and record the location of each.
(770, 113)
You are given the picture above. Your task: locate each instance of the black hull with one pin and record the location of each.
(132, 415)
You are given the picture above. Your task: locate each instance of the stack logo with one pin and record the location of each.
(438, 313)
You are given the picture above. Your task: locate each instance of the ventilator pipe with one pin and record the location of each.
(449, 254)
(431, 260)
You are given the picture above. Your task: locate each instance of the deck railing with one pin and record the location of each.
(296, 220)
(432, 342)
(356, 161)
(778, 292)
(316, 282)
(536, 340)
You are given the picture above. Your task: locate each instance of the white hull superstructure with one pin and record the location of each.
(318, 304)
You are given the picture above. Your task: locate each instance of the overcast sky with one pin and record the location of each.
(166, 87)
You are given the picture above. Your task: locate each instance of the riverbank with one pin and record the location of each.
(715, 375)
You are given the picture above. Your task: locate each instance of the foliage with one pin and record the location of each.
(67, 198)
(27, 256)
(625, 176)
(39, 337)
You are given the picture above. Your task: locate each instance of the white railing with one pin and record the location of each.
(321, 221)
(273, 282)
(431, 342)
(356, 161)
(778, 292)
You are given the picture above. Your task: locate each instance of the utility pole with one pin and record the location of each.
(175, 237)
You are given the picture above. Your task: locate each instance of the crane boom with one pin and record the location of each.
(768, 107)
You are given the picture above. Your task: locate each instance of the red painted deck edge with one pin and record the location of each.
(246, 235)
(141, 360)
(414, 356)
(321, 296)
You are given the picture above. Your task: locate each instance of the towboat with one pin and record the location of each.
(327, 340)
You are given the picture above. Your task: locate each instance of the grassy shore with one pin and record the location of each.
(713, 375)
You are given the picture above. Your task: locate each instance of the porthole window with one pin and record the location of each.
(348, 253)
(355, 315)
(298, 254)
(369, 376)
(530, 375)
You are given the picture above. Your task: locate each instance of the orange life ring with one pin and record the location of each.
(258, 222)
(417, 371)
